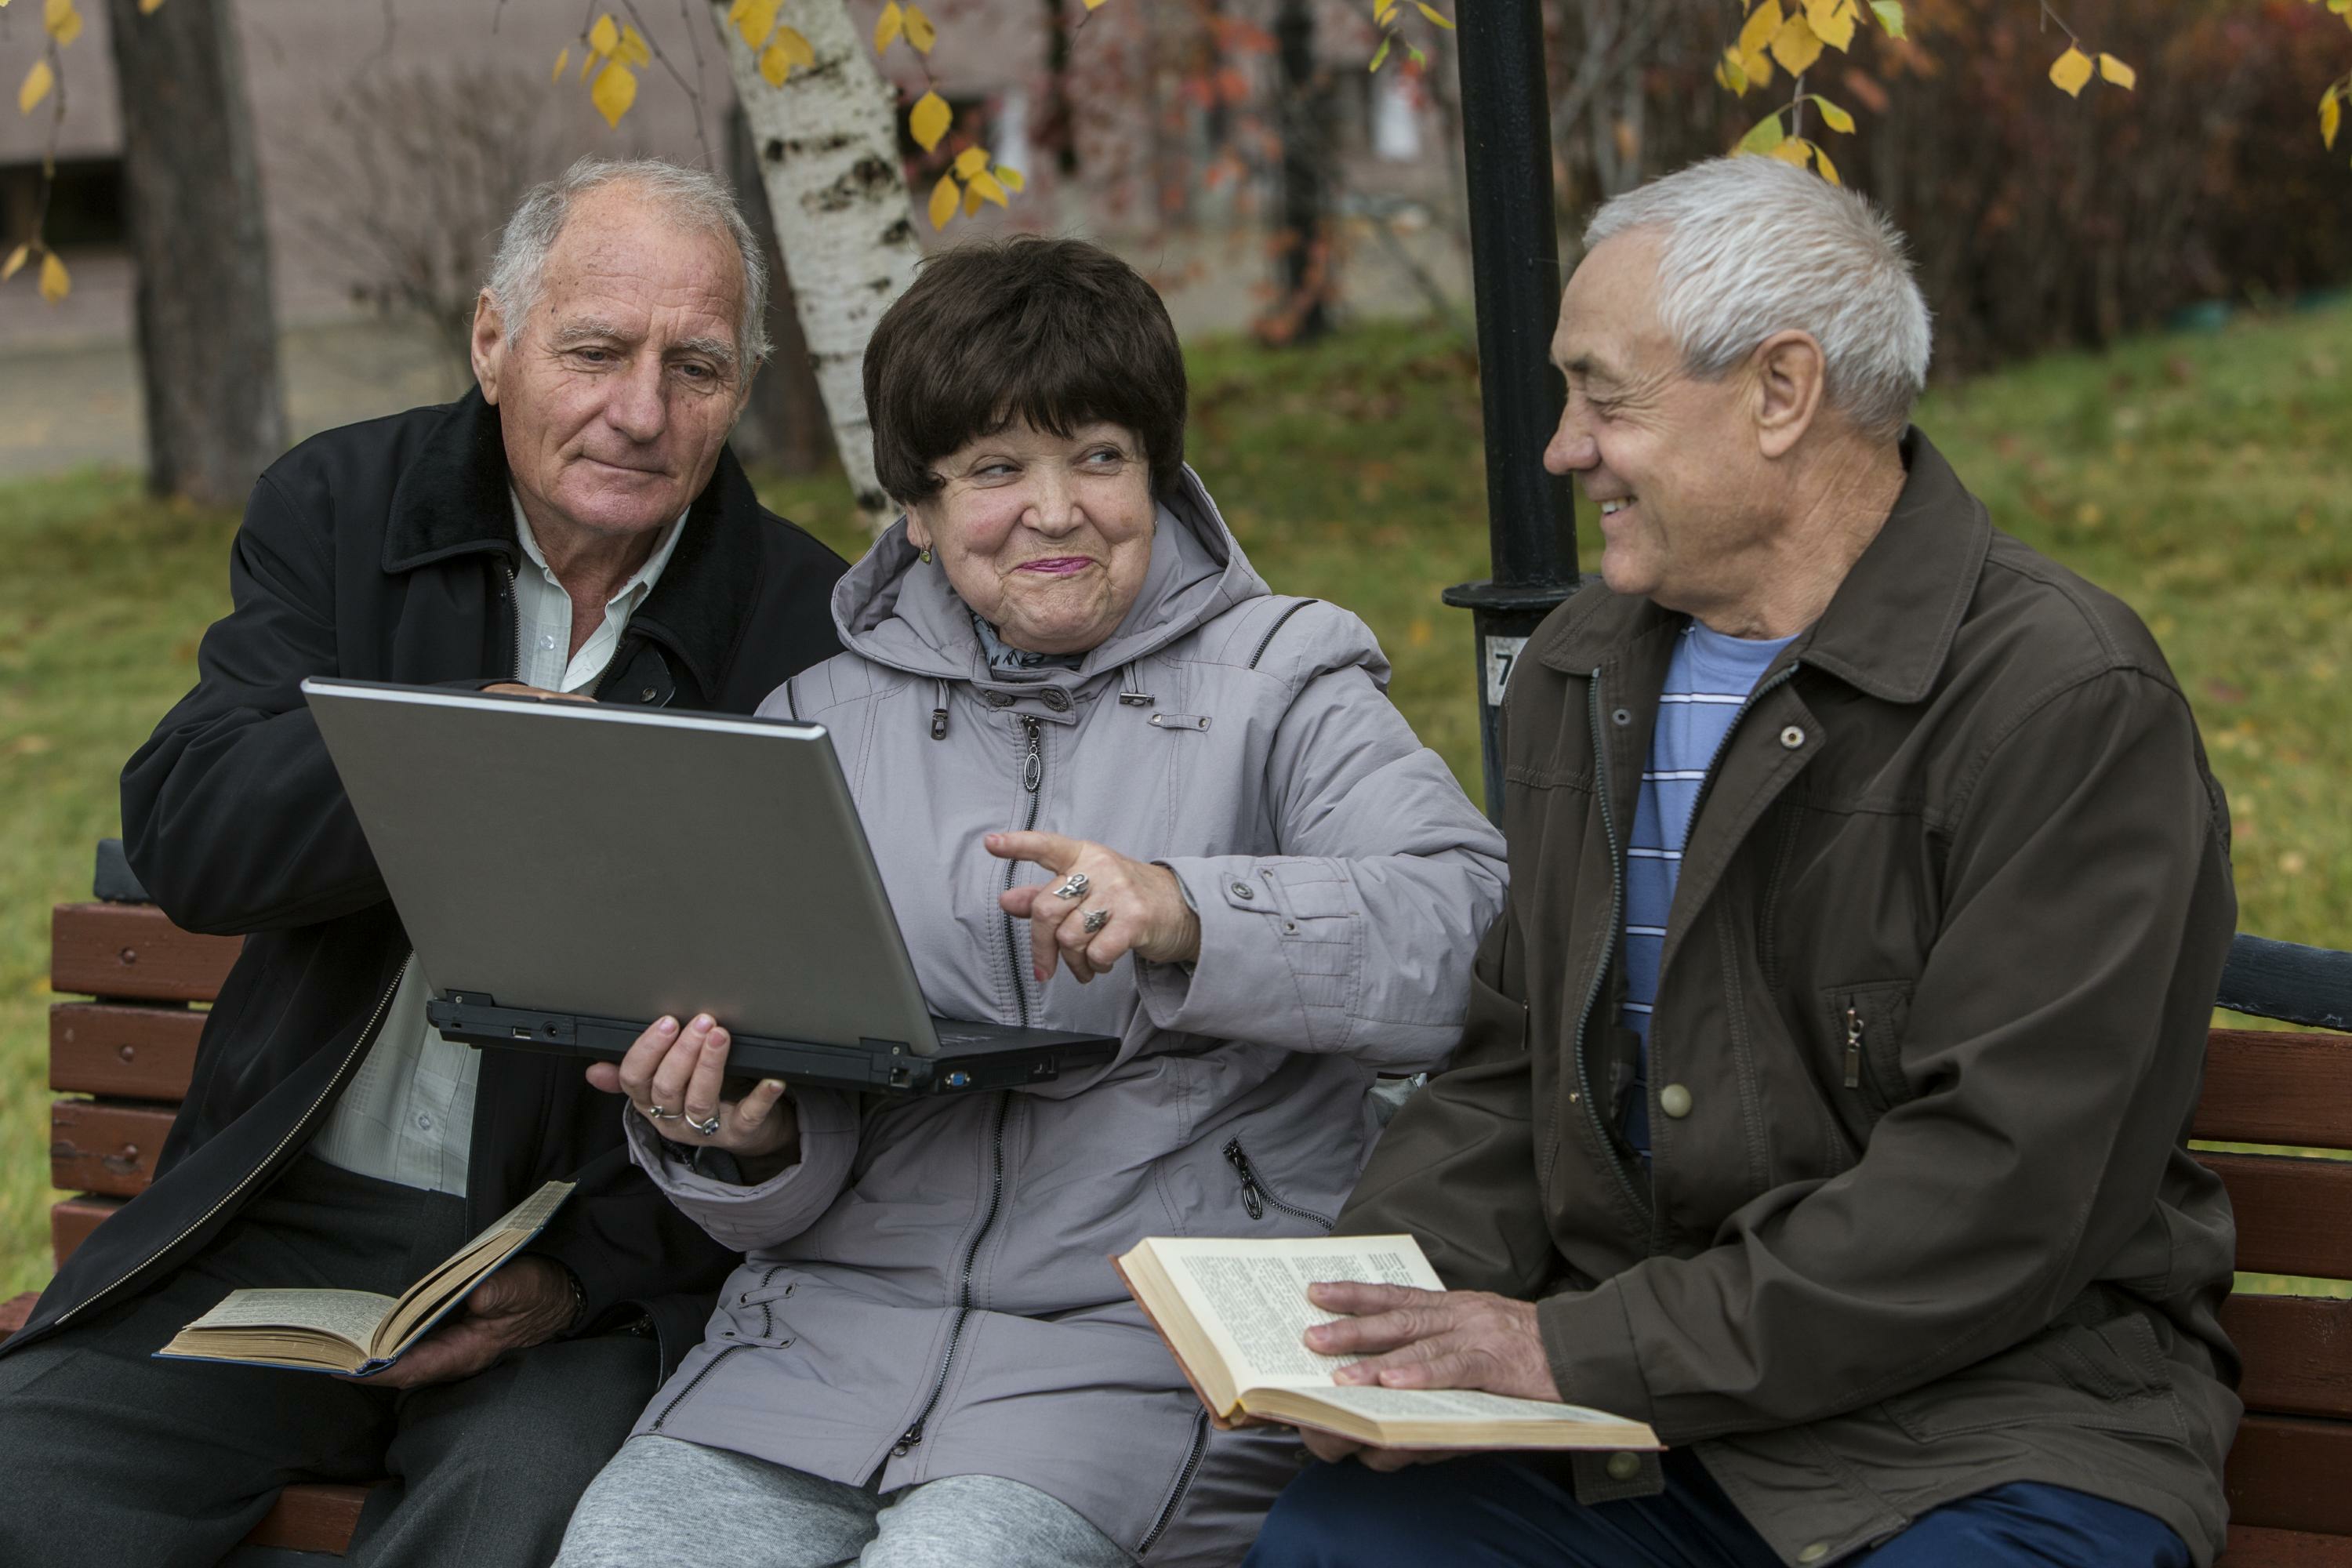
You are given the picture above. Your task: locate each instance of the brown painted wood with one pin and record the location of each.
(2252, 1546)
(2298, 1353)
(314, 1516)
(2294, 1215)
(97, 1146)
(2289, 1473)
(72, 1220)
(2276, 1086)
(134, 1052)
(132, 950)
(14, 1312)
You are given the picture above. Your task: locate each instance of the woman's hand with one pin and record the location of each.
(675, 1077)
(1098, 906)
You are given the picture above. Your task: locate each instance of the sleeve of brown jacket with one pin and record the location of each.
(2054, 1053)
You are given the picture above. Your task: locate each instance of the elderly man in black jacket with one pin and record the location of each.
(576, 526)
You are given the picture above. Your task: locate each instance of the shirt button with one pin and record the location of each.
(1792, 736)
(1625, 1466)
(1675, 1100)
(1057, 700)
(1815, 1552)
(425, 1122)
(1623, 717)
(1244, 890)
(997, 699)
(546, 640)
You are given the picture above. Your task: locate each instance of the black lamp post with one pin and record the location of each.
(1515, 274)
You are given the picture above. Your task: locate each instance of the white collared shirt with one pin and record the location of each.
(408, 1113)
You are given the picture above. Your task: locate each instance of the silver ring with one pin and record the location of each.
(655, 1113)
(1076, 888)
(708, 1129)
(1094, 921)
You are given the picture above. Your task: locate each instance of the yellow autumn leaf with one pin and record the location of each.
(1758, 66)
(2070, 70)
(1763, 136)
(1890, 16)
(1096, 5)
(970, 161)
(755, 19)
(786, 48)
(1832, 115)
(775, 64)
(17, 257)
(928, 121)
(1795, 47)
(55, 284)
(1012, 177)
(604, 37)
(971, 202)
(944, 197)
(1436, 17)
(1730, 75)
(1381, 53)
(633, 48)
(64, 25)
(887, 28)
(37, 82)
(794, 43)
(1831, 22)
(2115, 71)
(920, 31)
(984, 184)
(1828, 169)
(149, 7)
(1384, 13)
(2331, 118)
(615, 90)
(562, 59)
(1795, 150)
(1756, 33)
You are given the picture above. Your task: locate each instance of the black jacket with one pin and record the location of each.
(387, 552)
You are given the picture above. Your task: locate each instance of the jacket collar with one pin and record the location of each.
(455, 498)
(1889, 628)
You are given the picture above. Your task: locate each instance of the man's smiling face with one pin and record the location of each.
(1670, 459)
(616, 395)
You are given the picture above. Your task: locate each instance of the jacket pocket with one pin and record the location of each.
(1866, 1026)
(1257, 1197)
(2110, 1376)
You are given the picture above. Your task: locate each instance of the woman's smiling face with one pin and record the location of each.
(1047, 537)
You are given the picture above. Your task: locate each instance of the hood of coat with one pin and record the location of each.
(898, 610)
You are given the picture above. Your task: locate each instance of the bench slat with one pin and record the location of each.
(133, 950)
(315, 1516)
(2269, 1086)
(138, 1053)
(72, 1220)
(97, 1147)
(2294, 1215)
(2298, 1353)
(2252, 1546)
(2288, 1473)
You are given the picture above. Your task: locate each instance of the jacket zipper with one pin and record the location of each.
(1633, 1193)
(1852, 1048)
(343, 1073)
(914, 1433)
(692, 1383)
(1183, 1484)
(514, 613)
(1032, 778)
(1706, 784)
(1256, 1195)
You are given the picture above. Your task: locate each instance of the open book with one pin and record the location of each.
(1233, 1310)
(357, 1331)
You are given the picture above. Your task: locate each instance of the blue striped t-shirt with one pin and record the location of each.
(1709, 678)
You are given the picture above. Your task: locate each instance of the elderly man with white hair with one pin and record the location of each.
(1823, 1097)
(575, 525)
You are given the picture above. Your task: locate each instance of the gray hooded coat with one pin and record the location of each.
(928, 1293)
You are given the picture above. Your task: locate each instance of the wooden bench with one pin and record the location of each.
(121, 1060)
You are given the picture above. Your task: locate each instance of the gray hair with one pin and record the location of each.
(691, 195)
(1751, 246)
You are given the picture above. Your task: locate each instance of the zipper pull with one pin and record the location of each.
(907, 1439)
(1033, 770)
(1852, 1048)
(1253, 1199)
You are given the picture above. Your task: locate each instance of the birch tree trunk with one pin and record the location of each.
(828, 154)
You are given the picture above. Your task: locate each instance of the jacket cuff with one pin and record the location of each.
(1280, 952)
(1588, 1336)
(746, 1217)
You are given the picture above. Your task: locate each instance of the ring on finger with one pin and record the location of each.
(1076, 888)
(1094, 921)
(709, 1128)
(655, 1113)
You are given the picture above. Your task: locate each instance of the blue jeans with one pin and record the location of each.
(1513, 1510)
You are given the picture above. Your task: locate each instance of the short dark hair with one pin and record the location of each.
(1057, 332)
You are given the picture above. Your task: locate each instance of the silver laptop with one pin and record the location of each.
(569, 872)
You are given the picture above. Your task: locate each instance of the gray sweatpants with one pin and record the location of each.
(683, 1502)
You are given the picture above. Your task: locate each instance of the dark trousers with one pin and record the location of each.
(1507, 1511)
(111, 1458)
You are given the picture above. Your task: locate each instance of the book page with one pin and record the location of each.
(467, 1267)
(1378, 1404)
(348, 1315)
(1250, 1297)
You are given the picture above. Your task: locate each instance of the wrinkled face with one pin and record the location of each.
(1046, 536)
(1671, 459)
(615, 395)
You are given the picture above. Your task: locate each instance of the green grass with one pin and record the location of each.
(2203, 478)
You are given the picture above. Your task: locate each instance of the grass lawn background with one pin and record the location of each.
(2207, 479)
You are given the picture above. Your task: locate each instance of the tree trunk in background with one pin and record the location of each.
(1308, 147)
(208, 334)
(828, 151)
(783, 426)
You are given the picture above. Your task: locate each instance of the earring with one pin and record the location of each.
(927, 555)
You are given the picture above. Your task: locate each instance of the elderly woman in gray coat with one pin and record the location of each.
(1113, 784)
